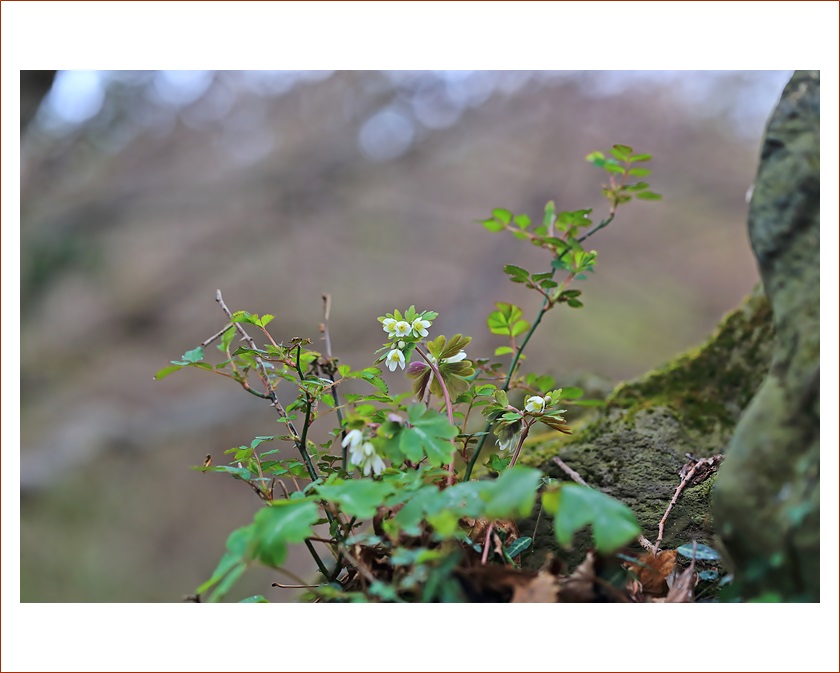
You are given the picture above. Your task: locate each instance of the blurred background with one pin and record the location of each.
(144, 192)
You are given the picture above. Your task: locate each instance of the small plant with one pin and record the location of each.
(407, 513)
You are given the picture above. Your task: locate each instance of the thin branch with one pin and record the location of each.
(486, 551)
(331, 374)
(218, 334)
(546, 305)
(451, 478)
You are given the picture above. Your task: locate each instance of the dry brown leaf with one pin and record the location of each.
(579, 587)
(542, 589)
(653, 571)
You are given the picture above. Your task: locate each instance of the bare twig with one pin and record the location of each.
(568, 470)
(211, 339)
(704, 465)
(486, 552)
(331, 374)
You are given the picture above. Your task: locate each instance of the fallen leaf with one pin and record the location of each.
(653, 571)
(542, 589)
(579, 587)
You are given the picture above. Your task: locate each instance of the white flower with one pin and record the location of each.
(419, 327)
(388, 325)
(460, 355)
(394, 358)
(364, 456)
(535, 404)
(401, 329)
(353, 439)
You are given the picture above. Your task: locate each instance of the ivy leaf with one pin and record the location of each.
(574, 506)
(704, 552)
(518, 546)
(358, 497)
(430, 434)
(513, 494)
(284, 522)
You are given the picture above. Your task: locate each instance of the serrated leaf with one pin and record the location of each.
(522, 221)
(514, 270)
(504, 216)
(284, 522)
(492, 225)
(649, 196)
(194, 355)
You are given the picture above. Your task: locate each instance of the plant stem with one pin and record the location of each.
(451, 478)
(525, 430)
(546, 305)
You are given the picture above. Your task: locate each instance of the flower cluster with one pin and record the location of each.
(404, 330)
(362, 453)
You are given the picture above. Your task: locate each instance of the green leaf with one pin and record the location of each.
(492, 225)
(503, 350)
(166, 371)
(637, 187)
(518, 546)
(641, 172)
(430, 434)
(592, 156)
(284, 522)
(550, 209)
(357, 497)
(254, 599)
(236, 545)
(649, 196)
(504, 216)
(515, 271)
(522, 221)
(513, 494)
(227, 583)
(519, 327)
(704, 552)
(638, 158)
(574, 506)
(614, 168)
(571, 393)
(195, 355)
(621, 152)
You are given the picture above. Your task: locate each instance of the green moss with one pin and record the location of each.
(633, 448)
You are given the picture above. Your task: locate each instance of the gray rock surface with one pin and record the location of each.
(767, 498)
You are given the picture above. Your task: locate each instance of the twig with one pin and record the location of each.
(546, 305)
(451, 478)
(211, 339)
(294, 586)
(331, 374)
(568, 470)
(486, 551)
(686, 478)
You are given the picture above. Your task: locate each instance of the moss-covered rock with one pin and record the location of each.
(767, 496)
(634, 447)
